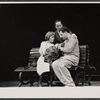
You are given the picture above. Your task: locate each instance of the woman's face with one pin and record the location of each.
(51, 39)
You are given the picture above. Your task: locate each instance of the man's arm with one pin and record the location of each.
(68, 48)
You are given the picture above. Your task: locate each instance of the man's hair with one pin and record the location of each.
(63, 29)
(58, 21)
(48, 34)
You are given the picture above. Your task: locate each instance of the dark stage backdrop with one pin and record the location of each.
(23, 27)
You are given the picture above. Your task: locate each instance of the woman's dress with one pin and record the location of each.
(41, 65)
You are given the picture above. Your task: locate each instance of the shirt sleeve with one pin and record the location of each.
(68, 48)
(42, 48)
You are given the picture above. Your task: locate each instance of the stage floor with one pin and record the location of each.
(10, 89)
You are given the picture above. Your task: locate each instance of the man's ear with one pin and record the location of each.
(65, 32)
(74, 36)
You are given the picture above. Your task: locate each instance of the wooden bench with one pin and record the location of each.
(78, 72)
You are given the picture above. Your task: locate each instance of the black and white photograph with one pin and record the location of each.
(50, 47)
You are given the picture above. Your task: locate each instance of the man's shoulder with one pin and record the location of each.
(74, 36)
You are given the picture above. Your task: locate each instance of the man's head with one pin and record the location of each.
(58, 25)
(65, 33)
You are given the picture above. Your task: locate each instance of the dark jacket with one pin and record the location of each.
(57, 38)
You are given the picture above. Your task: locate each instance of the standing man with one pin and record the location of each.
(70, 57)
(58, 26)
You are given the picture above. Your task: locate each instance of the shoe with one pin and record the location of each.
(66, 86)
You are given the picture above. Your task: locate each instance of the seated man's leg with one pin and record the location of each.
(56, 69)
(61, 71)
(66, 76)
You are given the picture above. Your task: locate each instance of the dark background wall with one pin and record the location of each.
(23, 27)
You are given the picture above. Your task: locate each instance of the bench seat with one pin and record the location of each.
(22, 69)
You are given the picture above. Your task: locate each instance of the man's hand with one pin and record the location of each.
(60, 47)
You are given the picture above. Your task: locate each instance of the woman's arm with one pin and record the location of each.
(43, 47)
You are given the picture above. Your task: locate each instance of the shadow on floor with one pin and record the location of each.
(44, 84)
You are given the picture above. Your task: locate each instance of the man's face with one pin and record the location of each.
(58, 25)
(63, 35)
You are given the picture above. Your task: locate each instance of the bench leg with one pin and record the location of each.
(76, 80)
(40, 81)
(89, 77)
(51, 76)
(20, 84)
(20, 75)
(31, 84)
(80, 78)
(88, 81)
(21, 81)
(83, 77)
(31, 80)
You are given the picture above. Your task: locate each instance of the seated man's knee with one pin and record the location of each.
(66, 64)
(63, 65)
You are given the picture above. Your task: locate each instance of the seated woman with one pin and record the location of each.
(42, 63)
